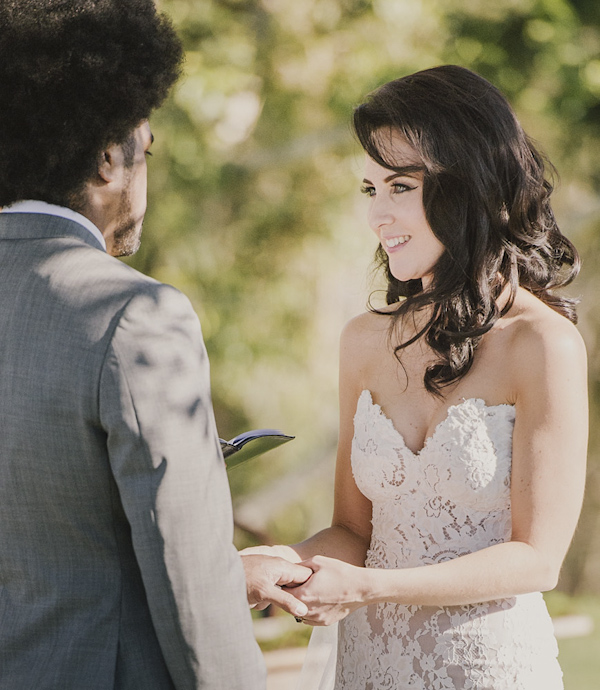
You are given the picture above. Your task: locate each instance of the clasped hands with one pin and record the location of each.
(320, 590)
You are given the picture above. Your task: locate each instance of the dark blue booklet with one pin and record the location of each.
(250, 444)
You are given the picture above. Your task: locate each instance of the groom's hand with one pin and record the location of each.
(266, 575)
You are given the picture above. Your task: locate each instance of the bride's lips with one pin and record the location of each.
(393, 244)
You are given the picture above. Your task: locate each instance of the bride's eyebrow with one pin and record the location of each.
(405, 171)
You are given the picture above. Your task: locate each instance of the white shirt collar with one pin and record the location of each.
(34, 206)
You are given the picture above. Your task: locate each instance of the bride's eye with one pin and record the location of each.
(399, 188)
(369, 191)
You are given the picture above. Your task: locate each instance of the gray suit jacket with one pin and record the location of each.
(117, 569)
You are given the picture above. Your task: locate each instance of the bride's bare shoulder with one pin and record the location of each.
(539, 340)
(367, 328)
(364, 350)
(535, 324)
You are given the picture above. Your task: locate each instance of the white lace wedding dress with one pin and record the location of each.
(450, 499)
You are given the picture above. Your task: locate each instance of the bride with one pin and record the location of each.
(462, 447)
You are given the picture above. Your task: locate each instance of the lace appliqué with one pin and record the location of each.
(450, 499)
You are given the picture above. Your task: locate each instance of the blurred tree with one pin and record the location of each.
(254, 212)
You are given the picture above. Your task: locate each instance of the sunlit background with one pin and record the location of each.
(255, 213)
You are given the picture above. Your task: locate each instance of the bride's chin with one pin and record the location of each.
(403, 276)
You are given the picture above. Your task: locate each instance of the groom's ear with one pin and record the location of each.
(111, 163)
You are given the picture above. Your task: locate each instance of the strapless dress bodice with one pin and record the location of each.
(447, 500)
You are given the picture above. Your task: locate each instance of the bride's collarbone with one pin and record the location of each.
(416, 413)
(396, 383)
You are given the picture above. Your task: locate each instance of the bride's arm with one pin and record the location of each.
(348, 537)
(548, 475)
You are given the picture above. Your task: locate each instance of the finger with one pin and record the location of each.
(289, 603)
(314, 623)
(261, 606)
(298, 590)
(310, 563)
(294, 576)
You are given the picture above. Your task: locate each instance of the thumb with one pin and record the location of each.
(294, 575)
(289, 603)
(312, 563)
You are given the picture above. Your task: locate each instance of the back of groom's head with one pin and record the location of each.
(75, 77)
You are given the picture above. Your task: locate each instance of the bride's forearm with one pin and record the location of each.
(497, 572)
(338, 542)
(335, 542)
(278, 550)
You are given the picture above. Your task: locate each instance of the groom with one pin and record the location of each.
(117, 569)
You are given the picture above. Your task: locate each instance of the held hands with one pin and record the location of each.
(266, 577)
(325, 590)
(334, 590)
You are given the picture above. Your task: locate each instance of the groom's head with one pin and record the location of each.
(78, 81)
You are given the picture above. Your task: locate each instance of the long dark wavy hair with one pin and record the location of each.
(487, 199)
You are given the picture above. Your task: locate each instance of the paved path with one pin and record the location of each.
(283, 667)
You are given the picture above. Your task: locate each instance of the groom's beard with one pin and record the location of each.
(128, 234)
(127, 238)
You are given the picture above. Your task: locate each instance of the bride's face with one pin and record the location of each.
(396, 213)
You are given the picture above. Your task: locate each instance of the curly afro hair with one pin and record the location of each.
(75, 76)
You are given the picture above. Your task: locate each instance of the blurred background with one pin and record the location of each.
(255, 211)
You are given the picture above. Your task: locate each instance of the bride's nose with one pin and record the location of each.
(380, 214)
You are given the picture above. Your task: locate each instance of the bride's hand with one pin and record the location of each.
(335, 589)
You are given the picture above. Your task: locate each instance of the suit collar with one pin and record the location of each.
(40, 226)
(37, 206)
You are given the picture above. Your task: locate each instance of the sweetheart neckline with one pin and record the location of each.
(440, 424)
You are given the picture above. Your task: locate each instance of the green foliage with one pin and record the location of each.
(578, 656)
(254, 211)
(292, 638)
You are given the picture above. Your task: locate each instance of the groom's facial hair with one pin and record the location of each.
(128, 234)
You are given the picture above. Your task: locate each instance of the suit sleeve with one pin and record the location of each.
(164, 453)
